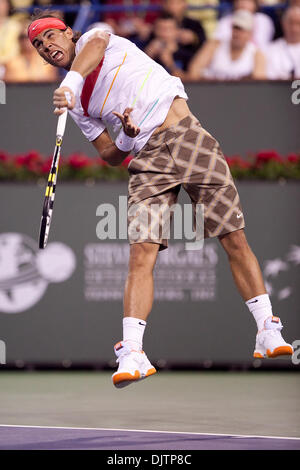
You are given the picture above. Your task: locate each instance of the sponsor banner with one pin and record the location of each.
(180, 275)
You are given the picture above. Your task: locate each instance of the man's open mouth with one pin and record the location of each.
(56, 55)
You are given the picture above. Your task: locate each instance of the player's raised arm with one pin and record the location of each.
(91, 54)
(83, 64)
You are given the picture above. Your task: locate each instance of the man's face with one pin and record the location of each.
(291, 27)
(166, 29)
(175, 7)
(56, 47)
(240, 37)
(4, 8)
(248, 5)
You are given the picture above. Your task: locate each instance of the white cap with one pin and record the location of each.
(243, 19)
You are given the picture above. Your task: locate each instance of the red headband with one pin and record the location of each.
(38, 26)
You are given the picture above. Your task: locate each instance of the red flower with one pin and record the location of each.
(101, 162)
(20, 160)
(34, 161)
(78, 160)
(46, 165)
(31, 160)
(237, 162)
(267, 156)
(3, 156)
(293, 158)
(231, 161)
(127, 161)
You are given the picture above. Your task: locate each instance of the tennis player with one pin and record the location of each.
(115, 86)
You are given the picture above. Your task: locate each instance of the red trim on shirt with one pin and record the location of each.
(89, 86)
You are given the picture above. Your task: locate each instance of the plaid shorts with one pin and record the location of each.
(184, 154)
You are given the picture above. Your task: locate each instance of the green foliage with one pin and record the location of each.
(266, 165)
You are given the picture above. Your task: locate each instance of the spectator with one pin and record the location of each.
(9, 32)
(191, 35)
(230, 60)
(69, 16)
(206, 16)
(21, 3)
(135, 26)
(268, 3)
(164, 47)
(28, 66)
(263, 30)
(283, 55)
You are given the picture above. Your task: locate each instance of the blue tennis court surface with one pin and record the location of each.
(57, 438)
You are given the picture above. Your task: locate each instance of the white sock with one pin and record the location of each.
(261, 308)
(133, 332)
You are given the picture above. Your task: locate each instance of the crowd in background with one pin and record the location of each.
(238, 41)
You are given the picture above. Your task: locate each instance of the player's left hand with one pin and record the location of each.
(63, 97)
(129, 127)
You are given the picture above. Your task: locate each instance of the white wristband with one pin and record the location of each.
(73, 80)
(124, 142)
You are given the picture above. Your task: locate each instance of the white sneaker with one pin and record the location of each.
(269, 342)
(133, 365)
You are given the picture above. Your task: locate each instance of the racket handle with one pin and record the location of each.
(61, 123)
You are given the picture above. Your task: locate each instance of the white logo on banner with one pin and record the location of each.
(275, 269)
(179, 275)
(26, 271)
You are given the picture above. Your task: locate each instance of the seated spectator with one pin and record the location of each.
(235, 59)
(164, 47)
(191, 34)
(135, 26)
(206, 16)
(141, 32)
(69, 16)
(283, 55)
(21, 3)
(28, 66)
(9, 32)
(263, 30)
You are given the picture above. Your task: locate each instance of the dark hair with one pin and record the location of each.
(254, 1)
(48, 13)
(167, 16)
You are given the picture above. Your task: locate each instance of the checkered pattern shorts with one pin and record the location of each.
(184, 154)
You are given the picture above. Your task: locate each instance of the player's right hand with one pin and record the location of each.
(63, 97)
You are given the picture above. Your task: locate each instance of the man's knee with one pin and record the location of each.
(143, 256)
(234, 242)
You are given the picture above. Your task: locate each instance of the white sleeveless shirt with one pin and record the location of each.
(222, 67)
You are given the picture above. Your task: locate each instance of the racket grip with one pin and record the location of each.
(61, 124)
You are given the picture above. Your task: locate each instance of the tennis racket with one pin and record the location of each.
(51, 185)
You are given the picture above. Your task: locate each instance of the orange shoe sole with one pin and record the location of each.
(258, 355)
(150, 372)
(124, 378)
(280, 351)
